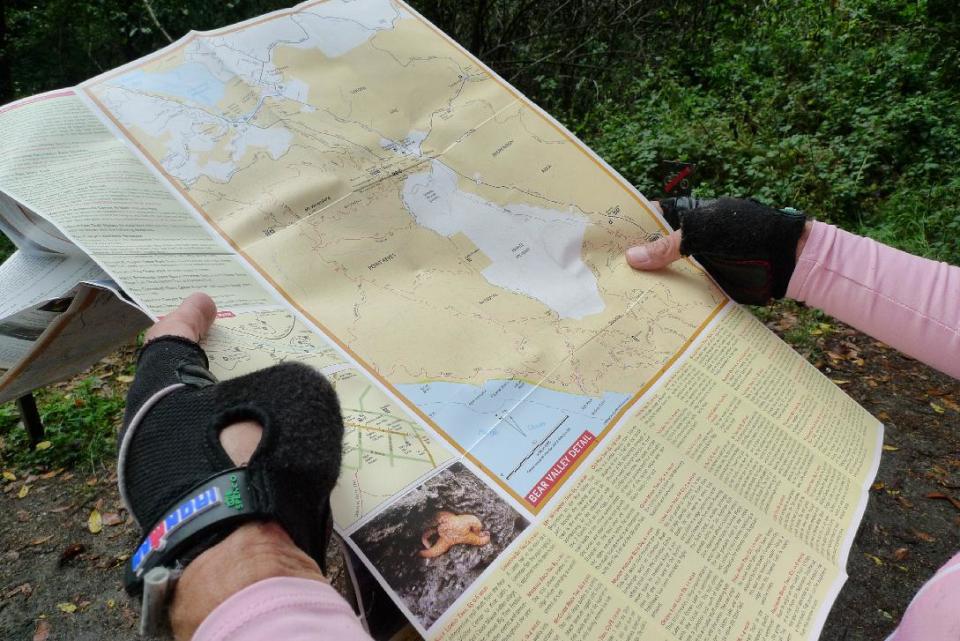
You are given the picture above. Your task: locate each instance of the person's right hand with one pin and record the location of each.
(749, 249)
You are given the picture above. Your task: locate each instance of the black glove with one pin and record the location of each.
(748, 248)
(180, 485)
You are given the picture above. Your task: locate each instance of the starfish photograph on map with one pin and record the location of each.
(432, 543)
(459, 245)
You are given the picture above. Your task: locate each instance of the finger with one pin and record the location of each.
(191, 320)
(655, 255)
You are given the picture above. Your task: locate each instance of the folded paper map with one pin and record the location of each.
(542, 443)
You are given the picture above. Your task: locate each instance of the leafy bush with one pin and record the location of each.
(80, 427)
(848, 111)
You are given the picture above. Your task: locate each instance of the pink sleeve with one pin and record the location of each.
(283, 608)
(910, 303)
(934, 613)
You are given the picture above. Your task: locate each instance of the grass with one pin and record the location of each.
(81, 426)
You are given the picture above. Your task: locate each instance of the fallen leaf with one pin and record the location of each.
(23, 491)
(837, 381)
(111, 603)
(59, 509)
(129, 616)
(24, 588)
(950, 404)
(876, 559)
(901, 553)
(940, 495)
(49, 475)
(42, 633)
(124, 378)
(23, 516)
(71, 552)
(112, 518)
(69, 608)
(890, 448)
(43, 445)
(923, 536)
(879, 485)
(10, 476)
(883, 416)
(92, 481)
(937, 408)
(904, 502)
(41, 540)
(95, 521)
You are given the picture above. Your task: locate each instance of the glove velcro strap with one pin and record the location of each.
(215, 506)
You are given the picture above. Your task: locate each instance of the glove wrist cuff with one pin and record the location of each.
(196, 521)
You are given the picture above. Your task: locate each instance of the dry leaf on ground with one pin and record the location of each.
(42, 633)
(95, 521)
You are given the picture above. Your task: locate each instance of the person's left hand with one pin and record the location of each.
(266, 446)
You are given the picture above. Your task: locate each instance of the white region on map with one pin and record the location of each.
(533, 251)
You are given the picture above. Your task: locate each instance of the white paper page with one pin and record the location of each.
(31, 233)
(27, 280)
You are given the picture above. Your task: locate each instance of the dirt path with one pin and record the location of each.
(58, 580)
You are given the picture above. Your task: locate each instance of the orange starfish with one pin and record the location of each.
(452, 529)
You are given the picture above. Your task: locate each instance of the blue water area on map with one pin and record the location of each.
(517, 430)
(191, 81)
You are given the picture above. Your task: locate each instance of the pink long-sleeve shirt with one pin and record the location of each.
(910, 303)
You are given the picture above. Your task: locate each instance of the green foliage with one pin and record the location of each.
(81, 426)
(845, 110)
(59, 43)
(6, 248)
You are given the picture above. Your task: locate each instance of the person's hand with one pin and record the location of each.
(749, 249)
(207, 466)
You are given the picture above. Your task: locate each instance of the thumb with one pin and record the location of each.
(191, 320)
(655, 255)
